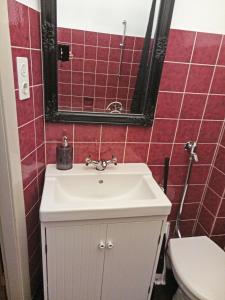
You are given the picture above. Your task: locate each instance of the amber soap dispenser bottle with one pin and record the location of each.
(64, 155)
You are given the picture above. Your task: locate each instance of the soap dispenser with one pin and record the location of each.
(64, 155)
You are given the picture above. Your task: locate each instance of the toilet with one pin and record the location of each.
(198, 266)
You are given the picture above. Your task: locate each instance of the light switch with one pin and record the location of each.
(23, 77)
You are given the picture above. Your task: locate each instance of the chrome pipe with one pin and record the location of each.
(190, 147)
(122, 44)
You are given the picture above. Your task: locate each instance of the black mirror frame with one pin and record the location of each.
(49, 47)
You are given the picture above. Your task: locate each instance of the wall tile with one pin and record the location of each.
(218, 81)
(35, 34)
(107, 150)
(180, 45)
(205, 153)
(25, 109)
(31, 196)
(168, 105)
(19, 24)
(219, 226)
(86, 133)
(199, 79)
(199, 174)
(38, 101)
(113, 133)
(179, 156)
(158, 152)
(177, 175)
(220, 159)
(136, 153)
(206, 48)
(206, 220)
(221, 212)
(173, 77)
(135, 134)
(82, 151)
(164, 131)
(55, 132)
(187, 130)
(217, 181)
(211, 201)
(27, 139)
(193, 106)
(209, 131)
(221, 59)
(174, 193)
(215, 109)
(36, 67)
(64, 35)
(194, 193)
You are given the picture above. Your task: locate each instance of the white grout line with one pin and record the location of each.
(36, 148)
(194, 64)
(25, 48)
(221, 172)
(191, 93)
(200, 225)
(29, 122)
(213, 191)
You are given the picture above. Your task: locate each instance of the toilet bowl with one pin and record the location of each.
(198, 265)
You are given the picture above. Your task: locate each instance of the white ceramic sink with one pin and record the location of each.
(125, 190)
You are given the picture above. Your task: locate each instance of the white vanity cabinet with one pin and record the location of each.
(101, 232)
(112, 259)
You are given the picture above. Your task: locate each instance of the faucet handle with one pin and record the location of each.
(112, 161)
(88, 160)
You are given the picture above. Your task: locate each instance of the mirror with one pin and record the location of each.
(103, 59)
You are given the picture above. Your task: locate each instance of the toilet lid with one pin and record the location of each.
(199, 267)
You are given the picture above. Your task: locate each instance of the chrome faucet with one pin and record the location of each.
(191, 148)
(101, 164)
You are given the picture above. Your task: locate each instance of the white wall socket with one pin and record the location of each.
(23, 77)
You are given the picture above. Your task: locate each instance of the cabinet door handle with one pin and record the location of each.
(109, 245)
(101, 245)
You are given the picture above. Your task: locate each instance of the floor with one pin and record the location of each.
(165, 292)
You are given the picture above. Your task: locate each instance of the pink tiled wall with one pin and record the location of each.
(191, 106)
(92, 74)
(211, 220)
(25, 41)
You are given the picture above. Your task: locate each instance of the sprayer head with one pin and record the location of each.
(190, 147)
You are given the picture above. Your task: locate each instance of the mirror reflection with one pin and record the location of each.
(104, 53)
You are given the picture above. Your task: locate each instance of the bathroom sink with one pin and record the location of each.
(125, 190)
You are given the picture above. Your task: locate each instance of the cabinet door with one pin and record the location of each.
(75, 262)
(129, 263)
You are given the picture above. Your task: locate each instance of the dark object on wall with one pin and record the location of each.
(145, 114)
(63, 52)
(166, 174)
